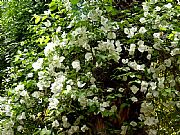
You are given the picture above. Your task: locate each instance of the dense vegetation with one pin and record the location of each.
(89, 67)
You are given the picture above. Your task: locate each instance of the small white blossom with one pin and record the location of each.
(84, 128)
(175, 52)
(76, 65)
(53, 103)
(58, 29)
(111, 35)
(133, 123)
(38, 65)
(134, 89)
(157, 8)
(134, 99)
(24, 93)
(156, 35)
(142, 20)
(169, 5)
(88, 56)
(19, 87)
(21, 116)
(55, 123)
(30, 75)
(141, 47)
(142, 30)
(152, 132)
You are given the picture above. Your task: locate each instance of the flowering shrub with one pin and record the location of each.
(98, 73)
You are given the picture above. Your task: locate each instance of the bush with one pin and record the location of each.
(102, 71)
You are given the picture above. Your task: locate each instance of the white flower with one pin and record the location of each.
(88, 56)
(55, 123)
(76, 65)
(19, 128)
(24, 93)
(47, 24)
(53, 102)
(134, 99)
(58, 29)
(104, 20)
(36, 94)
(80, 84)
(157, 8)
(111, 35)
(126, 30)
(19, 87)
(21, 116)
(133, 29)
(123, 130)
(133, 123)
(132, 49)
(145, 7)
(152, 132)
(156, 35)
(167, 62)
(175, 52)
(150, 121)
(140, 67)
(84, 128)
(38, 65)
(49, 48)
(142, 20)
(169, 5)
(141, 47)
(125, 61)
(48, 12)
(134, 89)
(30, 75)
(142, 30)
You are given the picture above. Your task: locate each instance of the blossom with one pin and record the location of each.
(134, 89)
(21, 116)
(169, 5)
(84, 128)
(80, 84)
(150, 121)
(142, 20)
(175, 51)
(132, 49)
(58, 29)
(104, 20)
(134, 99)
(88, 56)
(156, 35)
(19, 87)
(157, 8)
(53, 102)
(167, 62)
(133, 123)
(49, 48)
(47, 24)
(30, 75)
(142, 30)
(111, 35)
(38, 64)
(76, 65)
(55, 123)
(141, 47)
(24, 93)
(152, 132)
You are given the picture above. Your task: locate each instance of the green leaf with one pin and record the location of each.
(74, 2)
(52, 6)
(37, 19)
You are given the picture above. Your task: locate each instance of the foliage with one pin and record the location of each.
(90, 68)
